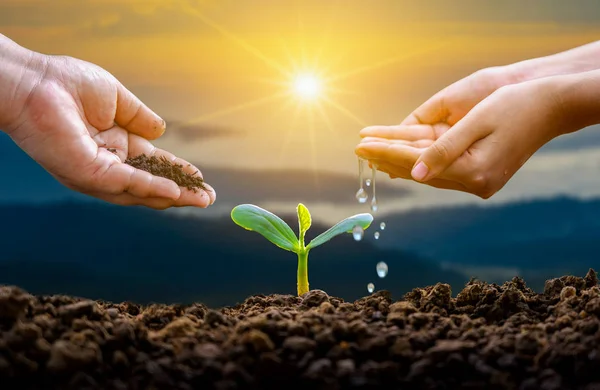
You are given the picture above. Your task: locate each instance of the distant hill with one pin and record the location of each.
(120, 253)
(542, 238)
(129, 253)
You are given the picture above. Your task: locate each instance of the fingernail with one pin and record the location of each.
(161, 126)
(420, 171)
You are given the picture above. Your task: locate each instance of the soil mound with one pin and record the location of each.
(488, 337)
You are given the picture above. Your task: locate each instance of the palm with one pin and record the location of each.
(60, 136)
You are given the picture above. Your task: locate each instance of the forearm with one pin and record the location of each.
(20, 71)
(580, 59)
(577, 98)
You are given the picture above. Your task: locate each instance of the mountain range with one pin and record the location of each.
(538, 239)
(130, 253)
(120, 253)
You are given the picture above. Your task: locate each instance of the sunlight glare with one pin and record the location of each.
(306, 82)
(307, 86)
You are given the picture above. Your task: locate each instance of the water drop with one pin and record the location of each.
(376, 235)
(374, 205)
(382, 226)
(357, 233)
(382, 269)
(368, 182)
(362, 196)
(370, 287)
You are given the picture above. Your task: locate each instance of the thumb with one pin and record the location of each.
(447, 148)
(135, 117)
(430, 112)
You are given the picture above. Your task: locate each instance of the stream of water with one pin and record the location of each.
(362, 196)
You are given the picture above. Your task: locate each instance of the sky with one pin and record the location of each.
(219, 72)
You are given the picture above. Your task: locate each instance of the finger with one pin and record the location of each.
(430, 112)
(135, 117)
(460, 171)
(120, 177)
(391, 169)
(187, 198)
(419, 144)
(93, 93)
(126, 199)
(399, 132)
(198, 198)
(392, 152)
(448, 147)
(395, 172)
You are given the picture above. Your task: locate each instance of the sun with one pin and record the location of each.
(307, 86)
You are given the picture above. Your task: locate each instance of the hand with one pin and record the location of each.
(73, 113)
(481, 151)
(438, 114)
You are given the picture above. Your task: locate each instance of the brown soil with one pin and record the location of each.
(488, 337)
(160, 166)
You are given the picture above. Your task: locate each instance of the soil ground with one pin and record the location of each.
(488, 337)
(164, 168)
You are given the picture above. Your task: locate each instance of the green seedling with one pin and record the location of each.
(274, 229)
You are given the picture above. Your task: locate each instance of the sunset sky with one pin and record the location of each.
(219, 72)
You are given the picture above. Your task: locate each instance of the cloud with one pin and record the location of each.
(154, 17)
(190, 133)
(99, 18)
(285, 185)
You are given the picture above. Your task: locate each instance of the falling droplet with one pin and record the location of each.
(382, 269)
(376, 235)
(368, 182)
(370, 287)
(362, 196)
(374, 205)
(357, 233)
(382, 226)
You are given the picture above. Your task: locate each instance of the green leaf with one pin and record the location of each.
(304, 220)
(270, 226)
(345, 226)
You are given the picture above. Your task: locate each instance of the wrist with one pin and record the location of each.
(577, 60)
(532, 69)
(576, 99)
(21, 70)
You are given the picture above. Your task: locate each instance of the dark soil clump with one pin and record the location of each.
(161, 166)
(488, 337)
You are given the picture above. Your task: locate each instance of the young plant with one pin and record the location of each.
(274, 229)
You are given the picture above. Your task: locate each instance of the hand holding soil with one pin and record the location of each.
(475, 134)
(82, 125)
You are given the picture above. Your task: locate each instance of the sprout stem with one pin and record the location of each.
(302, 272)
